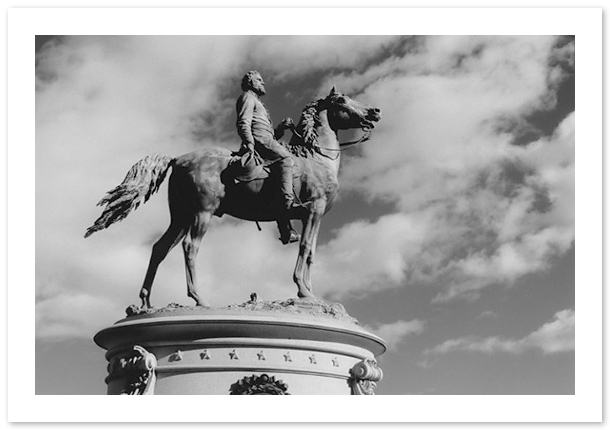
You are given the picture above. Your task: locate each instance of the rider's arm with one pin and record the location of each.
(245, 112)
(279, 130)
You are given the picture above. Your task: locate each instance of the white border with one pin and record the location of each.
(23, 405)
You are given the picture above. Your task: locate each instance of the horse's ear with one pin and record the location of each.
(333, 91)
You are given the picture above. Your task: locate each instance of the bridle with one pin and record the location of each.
(347, 145)
(342, 146)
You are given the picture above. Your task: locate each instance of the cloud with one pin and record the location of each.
(472, 209)
(61, 313)
(295, 56)
(397, 332)
(487, 314)
(102, 103)
(553, 337)
(367, 256)
(492, 211)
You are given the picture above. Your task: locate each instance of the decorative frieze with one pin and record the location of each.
(263, 355)
(176, 356)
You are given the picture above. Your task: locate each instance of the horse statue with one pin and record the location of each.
(201, 185)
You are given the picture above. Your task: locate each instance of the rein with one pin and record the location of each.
(366, 136)
(347, 145)
(342, 146)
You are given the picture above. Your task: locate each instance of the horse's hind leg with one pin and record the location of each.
(175, 232)
(191, 248)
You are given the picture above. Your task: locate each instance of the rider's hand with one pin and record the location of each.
(246, 148)
(287, 123)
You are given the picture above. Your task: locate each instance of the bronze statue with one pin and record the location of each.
(202, 184)
(255, 129)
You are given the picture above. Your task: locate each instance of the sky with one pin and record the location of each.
(453, 238)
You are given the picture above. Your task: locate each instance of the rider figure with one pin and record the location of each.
(255, 129)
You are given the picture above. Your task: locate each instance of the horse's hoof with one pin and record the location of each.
(201, 303)
(145, 302)
(308, 296)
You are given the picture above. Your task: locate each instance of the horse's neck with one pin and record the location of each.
(329, 144)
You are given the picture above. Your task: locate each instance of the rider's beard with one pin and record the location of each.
(259, 90)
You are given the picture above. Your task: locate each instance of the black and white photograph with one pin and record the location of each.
(229, 212)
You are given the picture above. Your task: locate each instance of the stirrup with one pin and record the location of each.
(293, 204)
(292, 237)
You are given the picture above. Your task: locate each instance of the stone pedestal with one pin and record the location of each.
(291, 347)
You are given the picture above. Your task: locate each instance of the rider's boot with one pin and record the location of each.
(287, 233)
(286, 185)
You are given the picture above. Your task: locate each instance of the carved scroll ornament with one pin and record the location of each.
(364, 376)
(138, 369)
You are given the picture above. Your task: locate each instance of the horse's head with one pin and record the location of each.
(345, 113)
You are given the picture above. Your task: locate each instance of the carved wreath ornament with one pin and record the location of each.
(263, 384)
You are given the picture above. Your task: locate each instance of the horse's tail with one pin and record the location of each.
(142, 181)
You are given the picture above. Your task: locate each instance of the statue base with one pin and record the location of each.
(292, 347)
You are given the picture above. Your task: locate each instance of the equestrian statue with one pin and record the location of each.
(264, 181)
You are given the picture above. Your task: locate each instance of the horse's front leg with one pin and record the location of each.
(308, 240)
(317, 221)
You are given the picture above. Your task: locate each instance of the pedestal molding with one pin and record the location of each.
(191, 328)
(253, 369)
(312, 345)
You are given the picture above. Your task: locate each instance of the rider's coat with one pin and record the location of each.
(253, 121)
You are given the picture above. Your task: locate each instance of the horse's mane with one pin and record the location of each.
(304, 141)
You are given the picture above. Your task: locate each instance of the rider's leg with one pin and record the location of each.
(286, 187)
(272, 150)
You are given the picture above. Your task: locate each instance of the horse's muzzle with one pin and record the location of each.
(373, 115)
